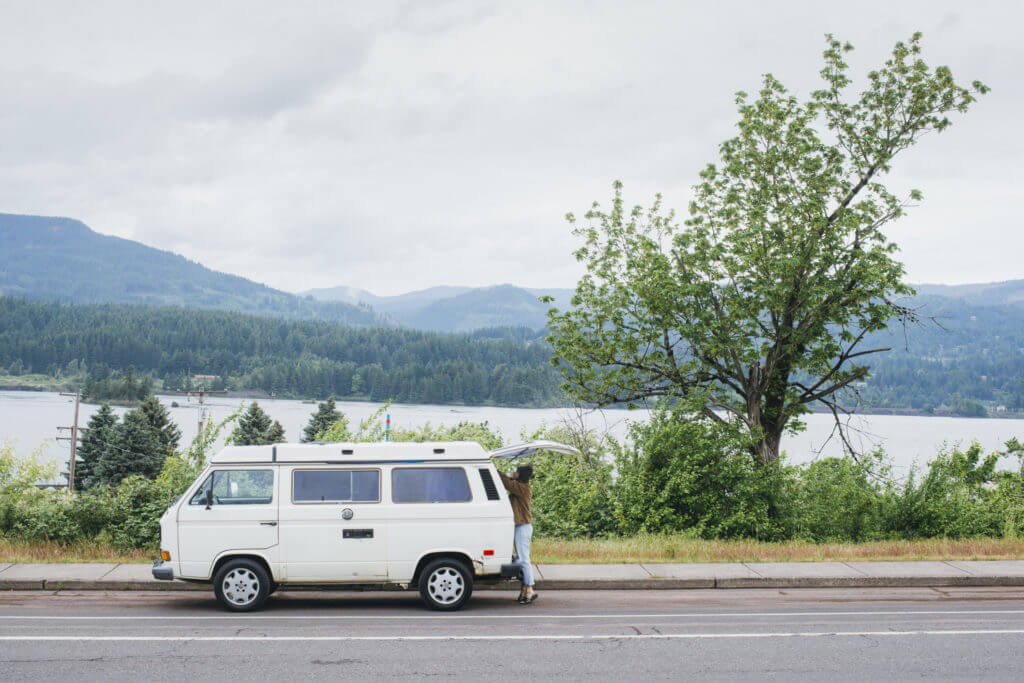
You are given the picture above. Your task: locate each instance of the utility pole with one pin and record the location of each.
(202, 391)
(74, 442)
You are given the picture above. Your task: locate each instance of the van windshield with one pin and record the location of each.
(237, 487)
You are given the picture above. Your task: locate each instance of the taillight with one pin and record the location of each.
(488, 553)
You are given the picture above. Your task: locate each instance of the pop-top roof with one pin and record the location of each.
(381, 452)
(353, 452)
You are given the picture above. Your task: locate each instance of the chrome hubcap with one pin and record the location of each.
(446, 585)
(241, 586)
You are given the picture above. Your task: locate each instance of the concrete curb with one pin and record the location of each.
(772, 575)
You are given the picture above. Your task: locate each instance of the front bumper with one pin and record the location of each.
(511, 571)
(162, 571)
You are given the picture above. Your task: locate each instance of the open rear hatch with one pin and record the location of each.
(521, 450)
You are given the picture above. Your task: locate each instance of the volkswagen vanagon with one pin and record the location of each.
(429, 516)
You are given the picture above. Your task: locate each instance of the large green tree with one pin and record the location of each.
(327, 414)
(98, 437)
(168, 433)
(136, 449)
(255, 428)
(755, 308)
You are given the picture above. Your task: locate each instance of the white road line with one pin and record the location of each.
(644, 636)
(449, 617)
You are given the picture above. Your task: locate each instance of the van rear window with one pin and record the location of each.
(430, 485)
(336, 486)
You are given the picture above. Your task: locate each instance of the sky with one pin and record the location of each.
(398, 146)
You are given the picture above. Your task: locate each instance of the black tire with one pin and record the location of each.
(445, 585)
(242, 585)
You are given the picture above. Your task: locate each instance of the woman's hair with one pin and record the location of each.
(525, 472)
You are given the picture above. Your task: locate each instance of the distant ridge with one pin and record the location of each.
(62, 259)
(456, 309)
(983, 294)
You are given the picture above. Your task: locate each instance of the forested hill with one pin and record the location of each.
(306, 359)
(960, 351)
(61, 259)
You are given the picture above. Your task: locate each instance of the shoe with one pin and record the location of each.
(529, 600)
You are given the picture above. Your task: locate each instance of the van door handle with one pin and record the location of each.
(357, 533)
(268, 523)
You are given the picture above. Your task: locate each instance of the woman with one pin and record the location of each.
(518, 487)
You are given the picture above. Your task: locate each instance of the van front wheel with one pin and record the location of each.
(242, 585)
(445, 585)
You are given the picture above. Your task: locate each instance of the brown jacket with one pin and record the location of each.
(520, 496)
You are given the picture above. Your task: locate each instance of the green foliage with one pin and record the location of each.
(255, 428)
(373, 428)
(202, 445)
(695, 475)
(126, 515)
(19, 473)
(327, 414)
(136, 450)
(677, 474)
(96, 439)
(841, 499)
(102, 384)
(168, 434)
(572, 495)
(756, 307)
(959, 496)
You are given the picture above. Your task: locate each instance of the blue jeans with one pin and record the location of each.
(522, 543)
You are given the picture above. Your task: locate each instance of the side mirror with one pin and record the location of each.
(209, 497)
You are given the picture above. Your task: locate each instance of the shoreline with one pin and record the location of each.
(260, 395)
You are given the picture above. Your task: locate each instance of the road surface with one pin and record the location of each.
(833, 634)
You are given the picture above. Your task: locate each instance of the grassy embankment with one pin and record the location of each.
(38, 382)
(630, 550)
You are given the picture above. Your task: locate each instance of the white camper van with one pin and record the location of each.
(432, 516)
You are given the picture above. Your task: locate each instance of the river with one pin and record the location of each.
(29, 420)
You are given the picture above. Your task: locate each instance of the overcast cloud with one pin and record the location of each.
(399, 146)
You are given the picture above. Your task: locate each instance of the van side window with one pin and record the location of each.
(489, 487)
(430, 485)
(336, 486)
(237, 487)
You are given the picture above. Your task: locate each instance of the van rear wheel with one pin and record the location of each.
(242, 585)
(445, 585)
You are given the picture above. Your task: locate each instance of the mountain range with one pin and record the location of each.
(62, 259)
(455, 309)
(975, 352)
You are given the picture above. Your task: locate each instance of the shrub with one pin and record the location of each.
(684, 474)
(842, 499)
(961, 495)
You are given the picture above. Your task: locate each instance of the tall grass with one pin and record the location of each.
(680, 548)
(650, 548)
(49, 551)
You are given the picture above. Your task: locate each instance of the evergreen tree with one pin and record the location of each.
(136, 449)
(159, 419)
(255, 428)
(326, 415)
(97, 438)
(275, 434)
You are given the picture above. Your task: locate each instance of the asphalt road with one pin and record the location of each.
(833, 634)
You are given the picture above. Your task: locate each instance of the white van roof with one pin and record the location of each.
(353, 453)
